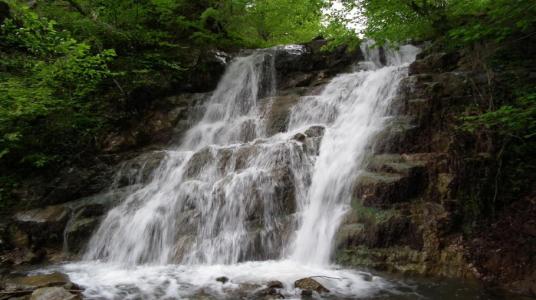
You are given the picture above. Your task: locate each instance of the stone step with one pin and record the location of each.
(389, 179)
(396, 135)
(397, 164)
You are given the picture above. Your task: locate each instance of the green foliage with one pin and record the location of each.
(397, 20)
(337, 33)
(55, 75)
(475, 21)
(513, 128)
(462, 22)
(264, 23)
(517, 120)
(44, 88)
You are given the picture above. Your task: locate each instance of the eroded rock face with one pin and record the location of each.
(403, 207)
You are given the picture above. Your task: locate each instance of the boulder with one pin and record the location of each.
(274, 284)
(53, 293)
(309, 284)
(222, 279)
(44, 226)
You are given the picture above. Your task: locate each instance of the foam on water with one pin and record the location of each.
(111, 281)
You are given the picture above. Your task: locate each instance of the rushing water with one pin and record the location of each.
(229, 200)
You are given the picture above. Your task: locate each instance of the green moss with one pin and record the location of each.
(370, 214)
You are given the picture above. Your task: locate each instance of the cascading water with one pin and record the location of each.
(353, 109)
(229, 194)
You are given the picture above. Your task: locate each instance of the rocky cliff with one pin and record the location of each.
(412, 209)
(415, 209)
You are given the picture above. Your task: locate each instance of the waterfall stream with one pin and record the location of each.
(230, 200)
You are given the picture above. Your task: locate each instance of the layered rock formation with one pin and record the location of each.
(408, 211)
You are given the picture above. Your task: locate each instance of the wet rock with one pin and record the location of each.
(297, 79)
(435, 62)
(200, 160)
(222, 279)
(315, 131)
(163, 120)
(381, 190)
(202, 295)
(278, 115)
(139, 169)
(274, 284)
(267, 294)
(311, 285)
(206, 72)
(311, 57)
(300, 137)
(79, 231)
(307, 294)
(33, 282)
(53, 293)
(44, 226)
(397, 136)
(72, 183)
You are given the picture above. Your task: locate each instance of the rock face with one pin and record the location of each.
(403, 211)
(44, 226)
(410, 203)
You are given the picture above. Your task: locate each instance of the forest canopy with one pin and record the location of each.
(68, 65)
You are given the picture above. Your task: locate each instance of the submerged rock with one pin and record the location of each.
(222, 279)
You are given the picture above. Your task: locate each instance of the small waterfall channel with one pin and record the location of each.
(231, 200)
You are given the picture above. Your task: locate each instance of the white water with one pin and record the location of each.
(229, 200)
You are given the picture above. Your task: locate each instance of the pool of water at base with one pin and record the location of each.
(246, 280)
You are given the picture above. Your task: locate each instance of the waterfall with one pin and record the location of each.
(353, 109)
(229, 193)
